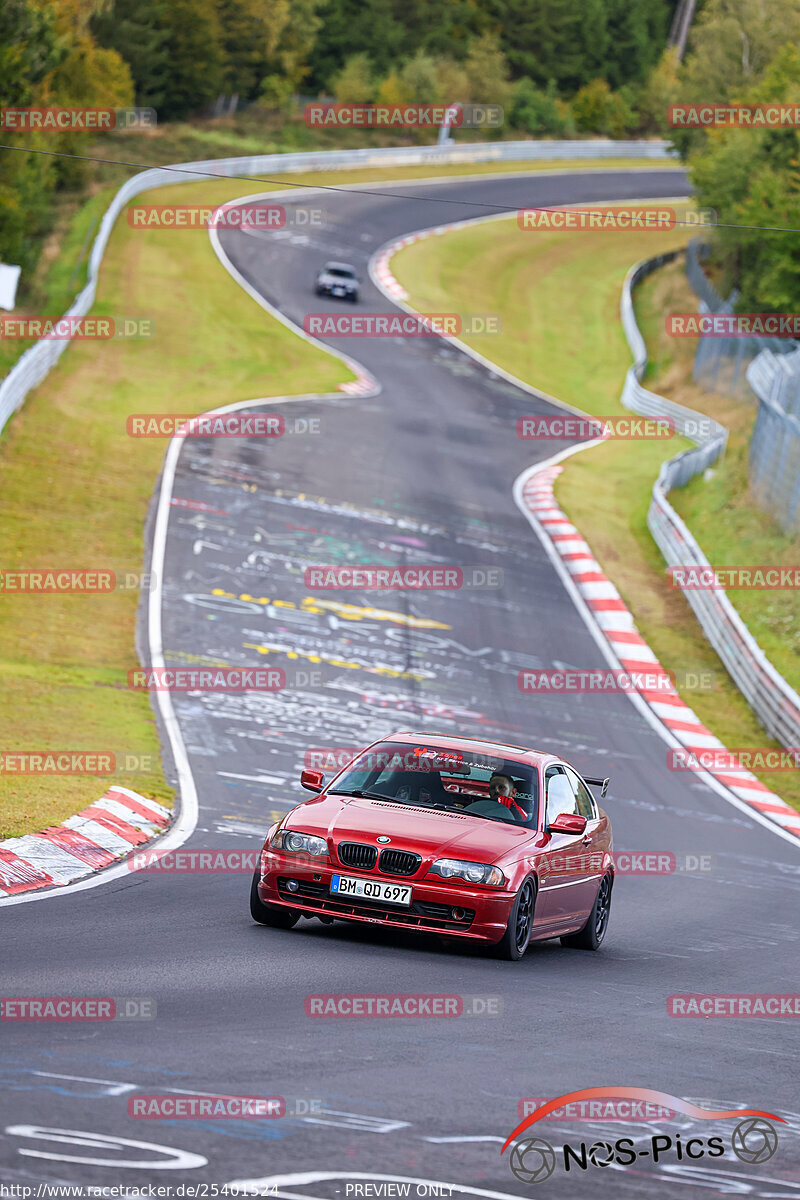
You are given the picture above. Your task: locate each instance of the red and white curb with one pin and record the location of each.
(382, 272)
(602, 606)
(628, 646)
(365, 385)
(101, 834)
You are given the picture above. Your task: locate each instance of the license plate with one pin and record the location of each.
(370, 889)
(338, 291)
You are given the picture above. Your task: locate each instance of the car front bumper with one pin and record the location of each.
(436, 907)
(329, 289)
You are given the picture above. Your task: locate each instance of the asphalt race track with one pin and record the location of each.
(420, 474)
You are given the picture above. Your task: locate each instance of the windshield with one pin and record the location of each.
(340, 272)
(431, 776)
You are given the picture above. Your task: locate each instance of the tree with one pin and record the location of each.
(244, 35)
(732, 43)
(453, 81)
(731, 46)
(564, 40)
(421, 80)
(137, 31)
(392, 91)
(92, 76)
(637, 35)
(661, 89)
(536, 111)
(296, 41)
(355, 83)
(590, 107)
(195, 57)
(751, 177)
(442, 28)
(345, 28)
(487, 71)
(48, 58)
(29, 49)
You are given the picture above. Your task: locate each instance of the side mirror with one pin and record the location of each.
(566, 823)
(312, 781)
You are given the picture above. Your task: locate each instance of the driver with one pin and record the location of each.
(502, 789)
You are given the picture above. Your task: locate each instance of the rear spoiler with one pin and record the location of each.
(601, 783)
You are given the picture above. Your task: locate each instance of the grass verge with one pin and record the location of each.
(75, 494)
(575, 349)
(719, 508)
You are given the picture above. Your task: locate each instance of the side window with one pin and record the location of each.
(561, 797)
(582, 795)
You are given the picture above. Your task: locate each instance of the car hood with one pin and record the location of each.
(337, 280)
(431, 833)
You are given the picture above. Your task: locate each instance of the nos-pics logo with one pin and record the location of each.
(533, 1160)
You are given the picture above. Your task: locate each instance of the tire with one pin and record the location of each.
(354, 297)
(270, 914)
(593, 932)
(516, 939)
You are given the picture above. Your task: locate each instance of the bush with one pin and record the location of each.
(355, 83)
(420, 80)
(538, 112)
(598, 110)
(275, 92)
(392, 90)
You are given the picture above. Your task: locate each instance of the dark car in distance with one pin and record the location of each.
(339, 280)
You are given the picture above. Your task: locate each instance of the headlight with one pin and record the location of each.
(299, 843)
(472, 872)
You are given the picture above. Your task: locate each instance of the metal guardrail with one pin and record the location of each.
(774, 702)
(32, 366)
(771, 366)
(701, 285)
(775, 442)
(721, 363)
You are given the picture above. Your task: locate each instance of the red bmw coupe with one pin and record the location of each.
(455, 836)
